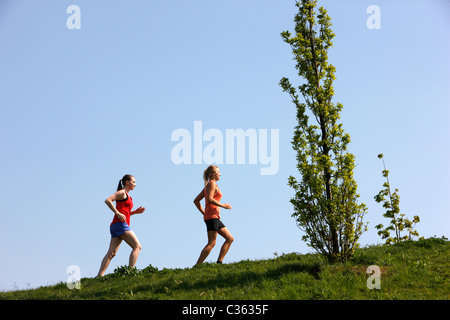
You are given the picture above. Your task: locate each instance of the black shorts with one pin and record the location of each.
(214, 224)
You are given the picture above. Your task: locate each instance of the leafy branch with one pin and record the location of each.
(398, 222)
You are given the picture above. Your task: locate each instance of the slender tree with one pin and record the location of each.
(325, 201)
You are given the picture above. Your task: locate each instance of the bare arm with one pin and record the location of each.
(197, 200)
(119, 195)
(210, 190)
(137, 211)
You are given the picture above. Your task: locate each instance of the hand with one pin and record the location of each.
(139, 210)
(227, 206)
(121, 217)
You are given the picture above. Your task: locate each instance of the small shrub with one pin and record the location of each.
(149, 269)
(398, 222)
(123, 271)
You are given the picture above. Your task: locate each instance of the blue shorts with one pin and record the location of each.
(117, 229)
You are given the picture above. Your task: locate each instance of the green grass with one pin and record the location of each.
(410, 270)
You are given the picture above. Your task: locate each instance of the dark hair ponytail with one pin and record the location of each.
(122, 181)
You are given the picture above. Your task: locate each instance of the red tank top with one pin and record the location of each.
(212, 211)
(124, 206)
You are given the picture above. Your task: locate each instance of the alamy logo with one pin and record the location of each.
(73, 281)
(374, 282)
(241, 147)
(374, 20)
(74, 20)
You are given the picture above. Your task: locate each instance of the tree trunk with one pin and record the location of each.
(325, 149)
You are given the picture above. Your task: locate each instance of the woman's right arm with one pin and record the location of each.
(119, 195)
(197, 200)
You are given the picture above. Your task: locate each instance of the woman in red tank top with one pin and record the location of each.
(211, 214)
(120, 226)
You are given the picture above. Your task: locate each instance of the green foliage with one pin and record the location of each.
(125, 271)
(325, 201)
(150, 269)
(398, 222)
(409, 270)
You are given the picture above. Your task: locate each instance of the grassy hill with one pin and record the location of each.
(409, 270)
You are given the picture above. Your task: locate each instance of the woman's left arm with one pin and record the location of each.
(138, 210)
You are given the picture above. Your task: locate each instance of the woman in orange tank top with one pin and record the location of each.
(211, 214)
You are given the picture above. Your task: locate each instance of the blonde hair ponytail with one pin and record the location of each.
(208, 172)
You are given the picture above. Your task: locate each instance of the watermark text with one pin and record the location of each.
(74, 280)
(374, 281)
(74, 20)
(236, 146)
(374, 20)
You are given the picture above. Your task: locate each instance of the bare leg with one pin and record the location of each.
(130, 238)
(212, 235)
(113, 247)
(226, 246)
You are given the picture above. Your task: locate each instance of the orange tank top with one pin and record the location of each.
(212, 211)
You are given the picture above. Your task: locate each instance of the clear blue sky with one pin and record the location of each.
(80, 108)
